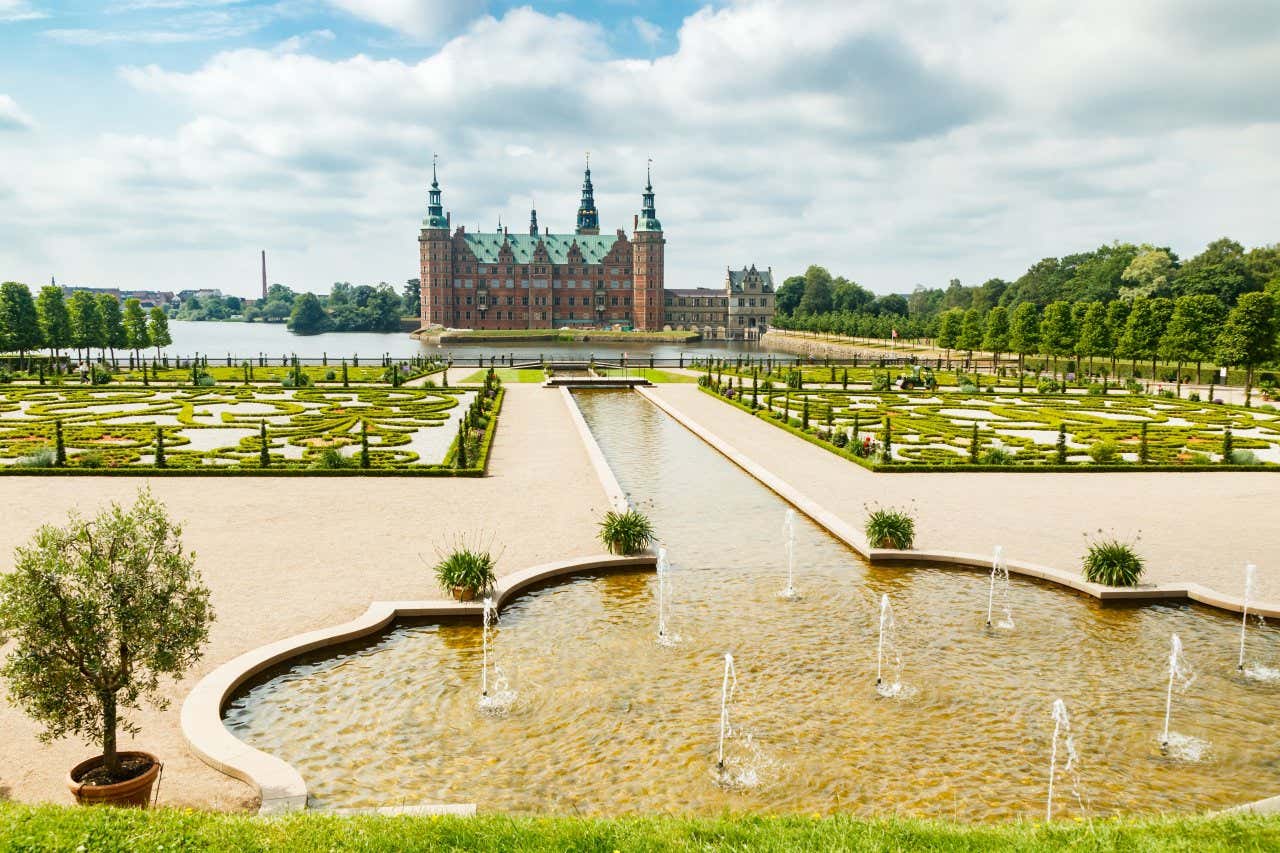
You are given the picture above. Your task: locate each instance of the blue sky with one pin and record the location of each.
(162, 143)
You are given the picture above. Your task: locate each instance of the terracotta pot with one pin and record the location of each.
(463, 594)
(135, 792)
(887, 543)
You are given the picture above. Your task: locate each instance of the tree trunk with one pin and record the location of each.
(1179, 380)
(1199, 379)
(1248, 384)
(111, 760)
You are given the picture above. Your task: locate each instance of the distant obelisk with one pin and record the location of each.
(264, 275)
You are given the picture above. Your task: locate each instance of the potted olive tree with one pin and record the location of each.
(100, 611)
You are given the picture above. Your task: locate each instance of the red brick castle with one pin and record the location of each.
(500, 280)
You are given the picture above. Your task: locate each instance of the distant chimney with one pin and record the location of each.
(264, 275)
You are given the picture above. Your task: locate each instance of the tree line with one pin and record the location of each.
(83, 322)
(1122, 301)
(346, 308)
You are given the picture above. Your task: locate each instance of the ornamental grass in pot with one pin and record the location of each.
(466, 572)
(100, 612)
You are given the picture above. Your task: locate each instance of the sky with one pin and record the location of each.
(164, 143)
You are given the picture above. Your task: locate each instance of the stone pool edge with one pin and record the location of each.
(858, 542)
(280, 786)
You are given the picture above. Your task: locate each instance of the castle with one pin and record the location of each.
(586, 280)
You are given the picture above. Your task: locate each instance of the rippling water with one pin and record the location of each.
(609, 722)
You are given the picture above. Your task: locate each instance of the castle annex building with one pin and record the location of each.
(501, 280)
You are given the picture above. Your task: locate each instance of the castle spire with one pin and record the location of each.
(648, 219)
(435, 208)
(588, 216)
(533, 218)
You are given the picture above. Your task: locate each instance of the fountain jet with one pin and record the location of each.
(789, 533)
(727, 687)
(1249, 571)
(999, 578)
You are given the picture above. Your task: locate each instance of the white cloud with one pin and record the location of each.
(649, 32)
(12, 117)
(896, 143)
(422, 19)
(19, 10)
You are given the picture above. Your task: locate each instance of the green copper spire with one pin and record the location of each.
(648, 220)
(588, 216)
(435, 209)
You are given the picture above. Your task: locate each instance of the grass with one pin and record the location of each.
(104, 829)
(655, 374)
(507, 375)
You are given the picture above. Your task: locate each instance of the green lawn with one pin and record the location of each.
(652, 374)
(506, 374)
(104, 829)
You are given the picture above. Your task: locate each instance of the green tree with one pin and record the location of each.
(1148, 273)
(995, 333)
(135, 327)
(19, 320)
(1024, 332)
(1057, 331)
(789, 295)
(971, 331)
(1220, 270)
(112, 322)
(87, 328)
(1248, 337)
(1192, 331)
(99, 612)
(307, 317)
(1095, 334)
(1143, 330)
(1117, 319)
(949, 327)
(55, 320)
(158, 330)
(817, 292)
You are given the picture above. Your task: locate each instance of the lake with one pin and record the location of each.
(243, 340)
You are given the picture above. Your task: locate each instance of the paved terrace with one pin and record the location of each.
(284, 555)
(1200, 527)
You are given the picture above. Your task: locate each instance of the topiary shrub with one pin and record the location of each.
(996, 456)
(626, 532)
(1111, 562)
(1104, 452)
(890, 528)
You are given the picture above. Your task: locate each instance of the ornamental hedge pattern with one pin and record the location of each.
(1018, 430)
(114, 427)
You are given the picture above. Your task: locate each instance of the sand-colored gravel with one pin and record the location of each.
(1195, 526)
(285, 555)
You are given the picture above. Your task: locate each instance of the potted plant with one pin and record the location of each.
(99, 612)
(1112, 562)
(466, 572)
(626, 532)
(890, 528)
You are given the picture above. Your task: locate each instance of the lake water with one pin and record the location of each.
(274, 340)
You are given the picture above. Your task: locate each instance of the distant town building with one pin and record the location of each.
(741, 310)
(501, 280)
(202, 294)
(147, 298)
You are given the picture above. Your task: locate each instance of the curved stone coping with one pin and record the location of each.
(858, 542)
(281, 786)
(612, 488)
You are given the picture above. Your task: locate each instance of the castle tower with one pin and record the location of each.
(436, 254)
(533, 221)
(647, 264)
(588, 216)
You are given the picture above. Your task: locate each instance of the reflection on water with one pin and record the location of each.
(610, 722)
